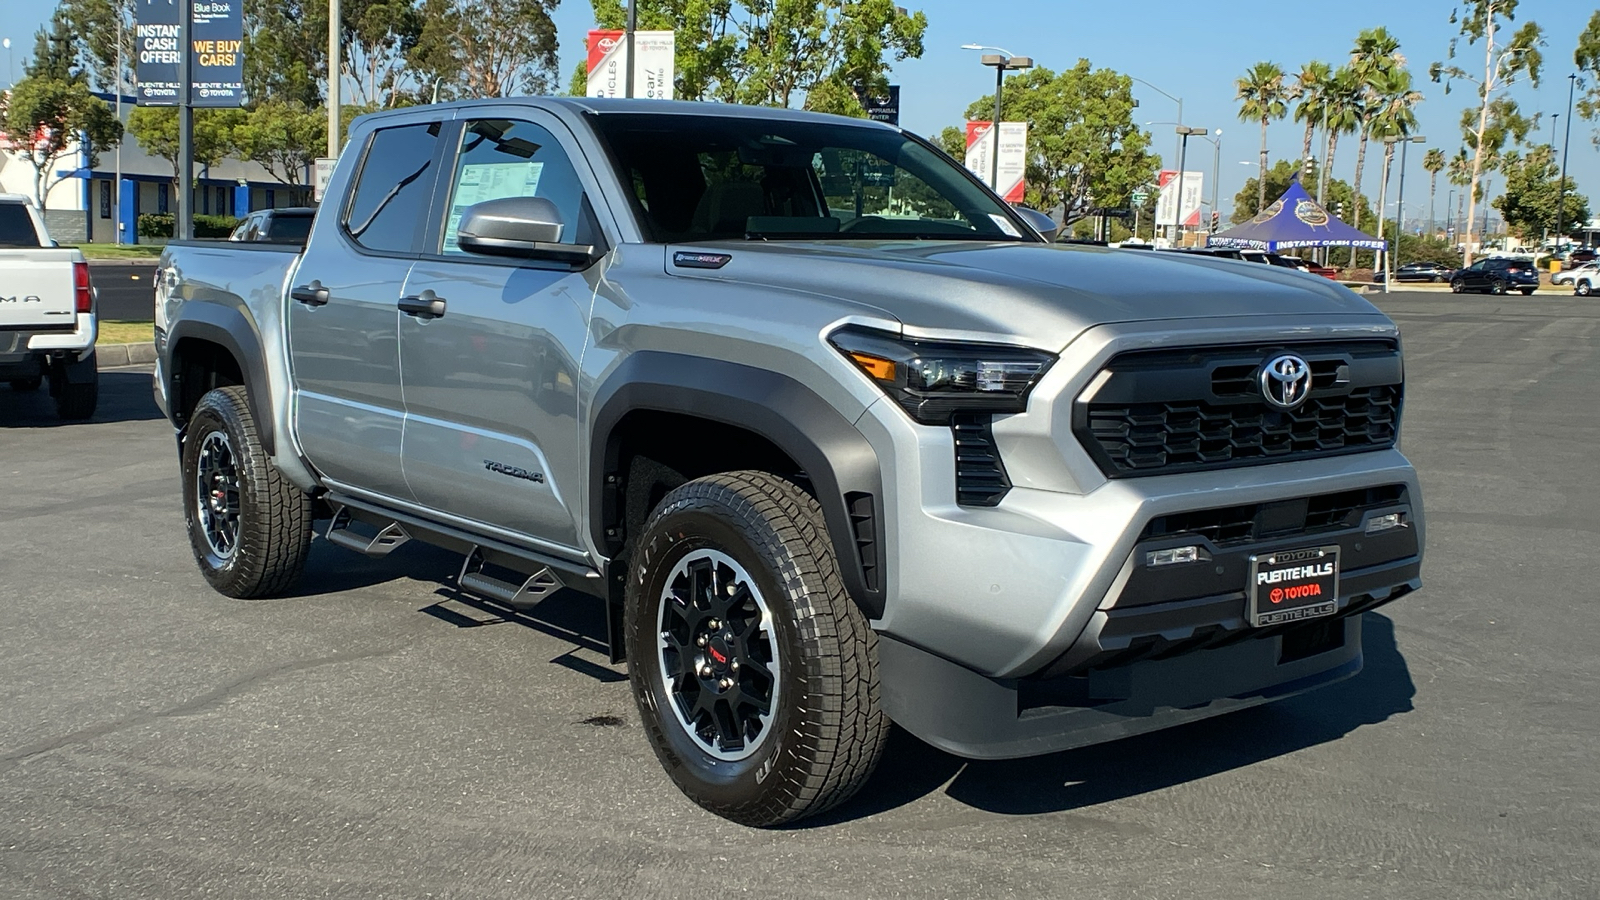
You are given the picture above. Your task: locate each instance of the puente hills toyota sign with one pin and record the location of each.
(217, 69)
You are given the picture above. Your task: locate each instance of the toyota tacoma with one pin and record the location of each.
(836, 436)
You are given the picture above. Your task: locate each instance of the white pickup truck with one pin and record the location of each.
(47, 312)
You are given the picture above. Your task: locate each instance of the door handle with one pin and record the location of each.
(424, 306)
(313, 294)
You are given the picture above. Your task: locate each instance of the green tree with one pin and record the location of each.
(773, 52)
(51, 114)
(1342, 115)
(1533, 195)
(1433, 164)
(376, 39)
(1263, 96)
(486, 48)
(58, 114)
(101, 26)
(285, 51)
(1587, 59)
(1312, 87)
(1084, 149)
(1373, 57)
(1506, 62)
(285, 138)
(156, 130)
(1393, 118)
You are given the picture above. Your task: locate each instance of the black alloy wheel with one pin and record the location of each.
(754, 672)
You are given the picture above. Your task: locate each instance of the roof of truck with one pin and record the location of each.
(604, 105)
(24, 199)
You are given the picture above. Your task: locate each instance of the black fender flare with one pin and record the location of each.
(834, 454)
(229, 329)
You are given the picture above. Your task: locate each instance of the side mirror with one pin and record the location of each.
(523, 227)
(1046, 226)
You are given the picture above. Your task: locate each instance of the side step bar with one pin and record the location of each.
(534, 589)
(389, 538)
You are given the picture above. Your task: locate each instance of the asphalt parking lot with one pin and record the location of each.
(380, 736)
(125, 291)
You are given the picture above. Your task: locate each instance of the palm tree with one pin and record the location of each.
(1311, 87)
(1264, 96)
(1342, 116)
(1393, 117)
(1433, 164)
(1460, 175)
(1374, 53)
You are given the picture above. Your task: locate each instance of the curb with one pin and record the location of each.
(126, 261)
(110, 356)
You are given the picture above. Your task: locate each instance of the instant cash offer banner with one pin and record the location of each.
(1013, 156)
(1192, 188)
(652, 72)
(217, 69)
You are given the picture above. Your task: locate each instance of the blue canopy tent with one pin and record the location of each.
(1294, 220)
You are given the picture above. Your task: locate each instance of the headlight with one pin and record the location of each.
(933, 380)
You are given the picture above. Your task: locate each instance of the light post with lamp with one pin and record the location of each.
(1177, 100)
(1002, 62)
(11, 81)
(1216, 159)
(1400, 206)
(1561, 186)
(1184, 133)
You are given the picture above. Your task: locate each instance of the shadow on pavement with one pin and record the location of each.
(1078, 778)
(124, 397)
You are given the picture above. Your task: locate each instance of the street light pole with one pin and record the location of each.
(1389, 262)
(1184, 132)
(1002, 62)
(334, 28)
(1561, 191)
(185, 224)
(11, 62)
(1179, 101)
(633, 25)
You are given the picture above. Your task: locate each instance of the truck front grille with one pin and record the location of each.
(1161, 412)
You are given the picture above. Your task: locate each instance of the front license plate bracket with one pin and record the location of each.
(1293, 585)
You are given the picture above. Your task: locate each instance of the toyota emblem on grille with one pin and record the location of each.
(1285, 381)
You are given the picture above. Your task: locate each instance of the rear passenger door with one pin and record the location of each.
(343, 312)
(491, 384)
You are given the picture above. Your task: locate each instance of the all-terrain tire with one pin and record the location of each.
(826, 731)
(75, 402)
(27, 385)
(271, 517)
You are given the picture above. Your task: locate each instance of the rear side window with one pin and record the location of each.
(16, 227)
(390, 200)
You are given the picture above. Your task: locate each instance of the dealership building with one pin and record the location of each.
(99, 203)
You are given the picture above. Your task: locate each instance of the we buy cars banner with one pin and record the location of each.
(1013, 156)
(652, 72)
(1193, 185)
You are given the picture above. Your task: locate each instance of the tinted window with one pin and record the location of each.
(16, 226)
(289, 229)
(391, 194)
(721, 177)
(505, 158)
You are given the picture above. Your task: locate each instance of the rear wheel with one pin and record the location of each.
(1527, 292)
(1497, 287)
(754, 672)
(1437, 278)
(249, 527)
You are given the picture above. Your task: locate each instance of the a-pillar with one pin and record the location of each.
(241, 200)
(128, 211)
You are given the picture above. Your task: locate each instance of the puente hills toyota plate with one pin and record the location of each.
(1292, 585)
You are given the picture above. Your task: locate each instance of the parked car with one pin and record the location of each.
(822, 463)
(1570, 276)
(1580, 256)
(289, 225)
(1497, 275)
(47, 312)
(1588, 279)
(1420, 271)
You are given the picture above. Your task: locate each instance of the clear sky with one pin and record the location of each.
(1190, 50)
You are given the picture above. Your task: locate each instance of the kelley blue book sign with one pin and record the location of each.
(217, 72)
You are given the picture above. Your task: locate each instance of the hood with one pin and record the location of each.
(1037, 294)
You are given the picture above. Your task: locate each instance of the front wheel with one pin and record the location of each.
(1456, 286)
(249, 527)
(754, 672)
(1437, 278)
(1583, 289)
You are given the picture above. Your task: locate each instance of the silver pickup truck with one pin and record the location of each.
(836, 437)
(47, 313)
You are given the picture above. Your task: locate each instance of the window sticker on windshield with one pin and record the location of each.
(489, 181)
(1004, 224)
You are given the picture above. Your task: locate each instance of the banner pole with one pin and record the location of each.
(185, 224)
(633, 25)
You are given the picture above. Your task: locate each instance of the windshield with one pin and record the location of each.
(288, 229)
(703, 178)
